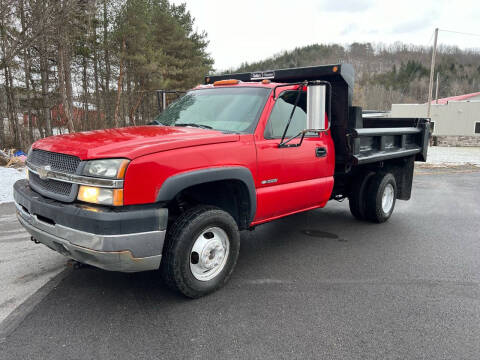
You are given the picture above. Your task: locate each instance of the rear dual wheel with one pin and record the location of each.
(373, 197)
(356, 199)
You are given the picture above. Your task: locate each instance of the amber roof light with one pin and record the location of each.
(226, 82)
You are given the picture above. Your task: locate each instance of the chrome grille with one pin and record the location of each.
(58, 162)
(54, 189)
(51, 186)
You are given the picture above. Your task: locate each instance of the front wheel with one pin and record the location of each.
(201, 251)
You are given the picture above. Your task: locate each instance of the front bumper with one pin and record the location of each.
(111, 239)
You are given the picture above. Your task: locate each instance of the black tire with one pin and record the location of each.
(181, 236)
(374, 194)
(356, 198)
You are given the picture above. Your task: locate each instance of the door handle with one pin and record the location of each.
(320, 152)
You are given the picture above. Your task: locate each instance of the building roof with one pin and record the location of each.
(456, 98)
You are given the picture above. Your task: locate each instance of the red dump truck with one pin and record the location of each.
(239, 151)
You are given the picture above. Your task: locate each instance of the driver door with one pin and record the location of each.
(292, 179)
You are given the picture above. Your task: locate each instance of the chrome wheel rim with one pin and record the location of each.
(387, 198)
(209, 254)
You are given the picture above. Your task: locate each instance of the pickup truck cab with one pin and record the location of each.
(236, 152)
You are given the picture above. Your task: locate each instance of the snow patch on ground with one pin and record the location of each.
(453, 155)
(8, 176)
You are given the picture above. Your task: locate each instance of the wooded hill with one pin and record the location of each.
(387, 74)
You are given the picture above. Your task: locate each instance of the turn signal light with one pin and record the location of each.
(118, 197)
(96, 195)
(122, 169)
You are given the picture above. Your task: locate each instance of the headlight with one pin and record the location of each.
(102, 196)
(108, 168)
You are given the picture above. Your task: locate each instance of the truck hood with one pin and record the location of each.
(131, 142)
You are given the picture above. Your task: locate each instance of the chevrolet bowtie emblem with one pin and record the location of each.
(43, 171)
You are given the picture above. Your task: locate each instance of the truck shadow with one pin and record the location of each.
(293, 241)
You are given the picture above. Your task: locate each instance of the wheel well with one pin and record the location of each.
(402, 169)
(229, 195)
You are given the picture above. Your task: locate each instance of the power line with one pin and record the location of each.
(459, 32)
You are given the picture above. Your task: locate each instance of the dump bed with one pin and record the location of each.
(380, 139)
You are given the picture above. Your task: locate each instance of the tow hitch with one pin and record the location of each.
(34, 240)
(74, 264)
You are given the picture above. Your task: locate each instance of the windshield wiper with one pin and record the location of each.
(195, 125)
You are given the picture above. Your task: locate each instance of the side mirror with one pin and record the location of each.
(316, 99)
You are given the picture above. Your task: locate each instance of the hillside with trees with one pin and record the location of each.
(73, 65)
(387, 74)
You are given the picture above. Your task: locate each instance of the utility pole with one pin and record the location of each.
(436, 91)
(432, 70)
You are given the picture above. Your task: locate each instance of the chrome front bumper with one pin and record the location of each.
(122, 252)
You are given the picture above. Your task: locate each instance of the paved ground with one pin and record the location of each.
(24, 266)
(409, 288)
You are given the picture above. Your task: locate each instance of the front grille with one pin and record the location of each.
(58, 162)
(54, 189)
(51, 186)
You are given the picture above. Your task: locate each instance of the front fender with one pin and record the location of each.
(176, 183)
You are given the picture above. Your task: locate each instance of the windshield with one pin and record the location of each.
(224, 109)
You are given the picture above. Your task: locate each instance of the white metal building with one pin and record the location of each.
(455, 120)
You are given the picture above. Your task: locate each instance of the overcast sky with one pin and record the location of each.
(249, 30)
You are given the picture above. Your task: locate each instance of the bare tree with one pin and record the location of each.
(66, 12)
(7, 44)
(106, 59)
(26, 67)
(120, 83)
